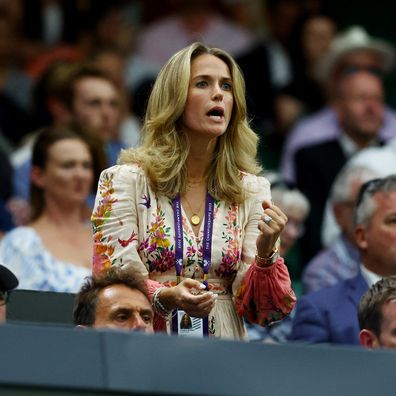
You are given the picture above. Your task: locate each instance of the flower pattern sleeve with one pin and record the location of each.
(115, 221)
(262, 295)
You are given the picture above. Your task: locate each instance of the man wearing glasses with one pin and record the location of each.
(330, 314)
(8, 282)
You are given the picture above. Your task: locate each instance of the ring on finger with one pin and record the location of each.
(267, 219)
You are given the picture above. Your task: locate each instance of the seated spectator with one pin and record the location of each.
(381, 161)
(341, 259)
(377, 315)
(54, 252)
(330, 314)
(118, 299)
(359, 105)
(351, 50)
(8, 282)
(83, 95)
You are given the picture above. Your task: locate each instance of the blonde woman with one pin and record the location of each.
(187, 210)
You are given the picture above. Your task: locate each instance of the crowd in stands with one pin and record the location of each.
(75, 81)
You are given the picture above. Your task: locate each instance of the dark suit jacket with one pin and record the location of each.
(316, 168)
(330, 314)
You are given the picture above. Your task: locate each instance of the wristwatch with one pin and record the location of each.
(266, 261)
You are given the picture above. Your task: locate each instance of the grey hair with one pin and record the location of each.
(366, 205)
(341, 190)
(290, 199)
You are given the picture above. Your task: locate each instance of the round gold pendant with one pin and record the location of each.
(195, 220)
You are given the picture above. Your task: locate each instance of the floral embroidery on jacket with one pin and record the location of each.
(126, 242)
(103, 247)
(157, 247)
(146, 201)
(231, 252)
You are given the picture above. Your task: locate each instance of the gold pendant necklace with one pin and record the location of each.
(195, 219)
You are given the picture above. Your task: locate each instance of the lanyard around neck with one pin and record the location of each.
(207, 237)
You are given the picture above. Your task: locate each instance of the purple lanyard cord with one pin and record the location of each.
(207, 241)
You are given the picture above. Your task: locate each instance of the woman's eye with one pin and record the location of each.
(201, 84)
(227, 86)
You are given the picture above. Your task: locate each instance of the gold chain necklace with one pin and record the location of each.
(194, 219)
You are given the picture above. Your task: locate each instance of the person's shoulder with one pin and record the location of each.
(327, 295)
(128, 171)
(21, 232)
(322, 260)
(390, 114)
(322, 117)
(316, 151)
(255, 182)
(22, 237)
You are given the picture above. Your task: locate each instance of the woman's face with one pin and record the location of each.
(210, 98)
(68, 174)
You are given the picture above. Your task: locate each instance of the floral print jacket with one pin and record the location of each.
(135, 227)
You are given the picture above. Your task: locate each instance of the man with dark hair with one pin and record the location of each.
(79, 95)
(93, 100)
(118, 299)
(8, 282)
(330, 314)
(377, 315)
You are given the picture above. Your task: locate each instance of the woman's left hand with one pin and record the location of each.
(271, 224)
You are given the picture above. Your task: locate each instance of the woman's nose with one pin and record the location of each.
(217, 92)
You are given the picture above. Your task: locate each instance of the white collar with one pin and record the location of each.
(369, 276)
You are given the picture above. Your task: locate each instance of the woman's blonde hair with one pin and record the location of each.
(165, 145)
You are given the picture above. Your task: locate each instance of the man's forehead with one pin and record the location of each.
(95, 84)
(117, 295)
(389, 311)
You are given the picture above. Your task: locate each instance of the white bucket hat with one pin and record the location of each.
(353, 39)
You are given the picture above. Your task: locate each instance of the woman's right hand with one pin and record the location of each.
(190, 296)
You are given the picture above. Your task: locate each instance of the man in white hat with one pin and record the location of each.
(350, 51)
(8, 282)
(359, 108)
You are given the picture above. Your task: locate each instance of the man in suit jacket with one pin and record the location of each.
(360, 110)
(330, 315)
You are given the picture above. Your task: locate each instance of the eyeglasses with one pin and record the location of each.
(368, 186)
(4, 297)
